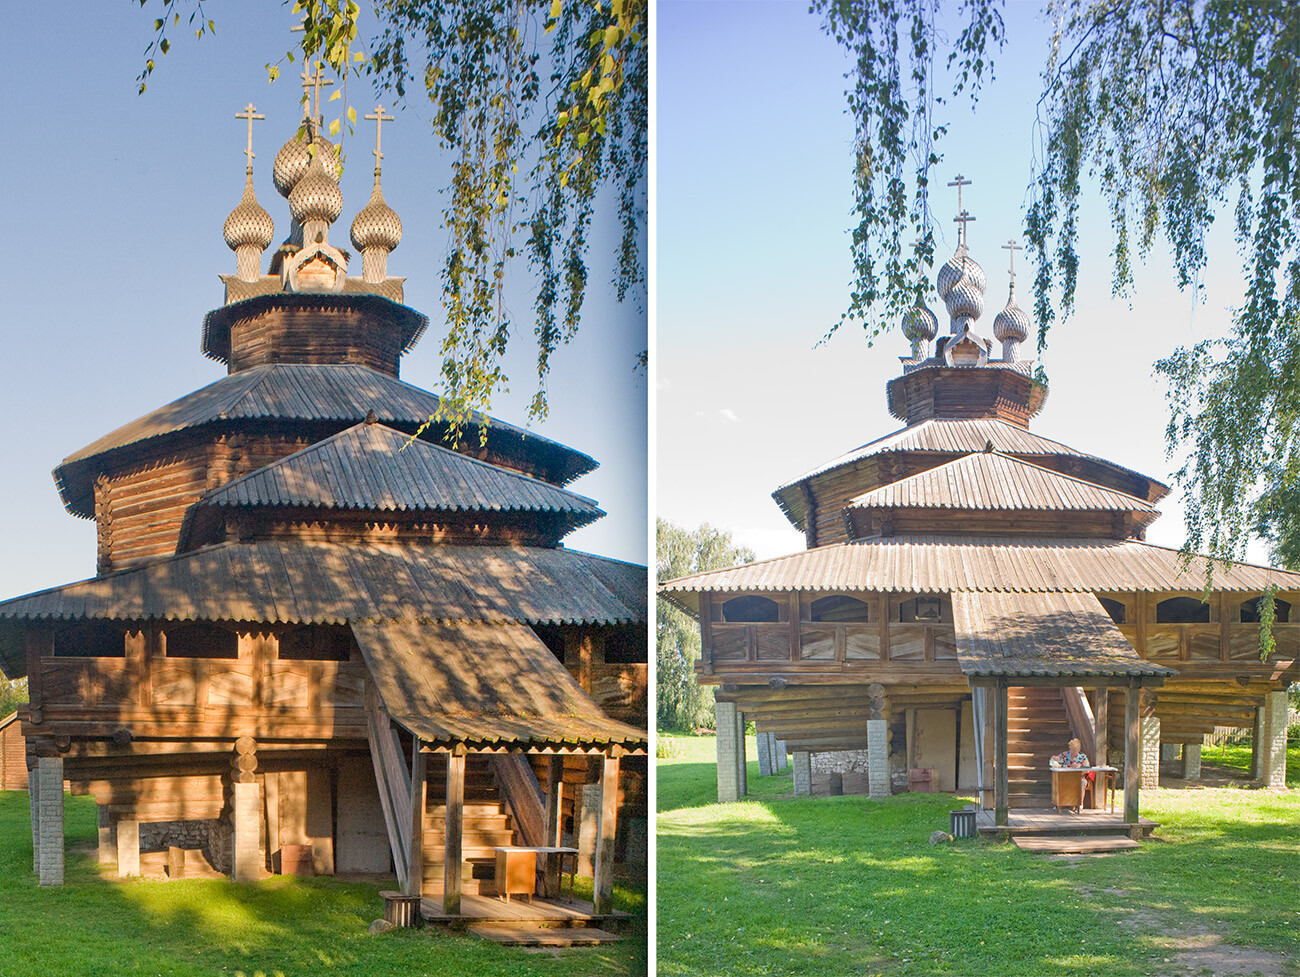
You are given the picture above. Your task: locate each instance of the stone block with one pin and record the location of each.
(128, 848)
(728, 772)
(247, 811)
(802, 773)
(588, 826)
(1191, 761)
(50, 772)
(33, 798)
(1150, 741)
(782, 754)
(1273, 757)
(107, 839)
(764, 747)
(877, 758)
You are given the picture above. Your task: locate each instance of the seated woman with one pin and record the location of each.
(1071, 757)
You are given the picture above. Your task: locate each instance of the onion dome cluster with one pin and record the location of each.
(961, 284)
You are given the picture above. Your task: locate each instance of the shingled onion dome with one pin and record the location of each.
(376, 231)
(961, 285)
(1011, 327)
(294, 160)
(920, 326)
(316, 201)
(248, 231)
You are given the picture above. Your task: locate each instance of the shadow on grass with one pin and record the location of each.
(849, 885)
(93, 926)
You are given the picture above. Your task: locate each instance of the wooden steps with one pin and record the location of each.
(519, 934)
(1074, 844)
(486, 824)
(1037, 729)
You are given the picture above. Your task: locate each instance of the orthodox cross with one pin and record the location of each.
(313, 83)
(380, 119)
(250, 114)
(962, 217)
(1011, 248)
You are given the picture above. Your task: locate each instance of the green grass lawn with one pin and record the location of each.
(848, 885)
(1236, 757)
(284, 926)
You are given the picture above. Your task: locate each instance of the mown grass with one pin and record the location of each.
(847, 885)
(1236, 757)
(284, 926)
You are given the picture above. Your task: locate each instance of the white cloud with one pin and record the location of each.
(729, 414)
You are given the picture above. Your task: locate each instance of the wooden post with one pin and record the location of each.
(1132, 752)
(175, 862)
(452, 854)
(603, 884)
(554, 820)
(415, 840)
(1000, 787)
(1101, 734)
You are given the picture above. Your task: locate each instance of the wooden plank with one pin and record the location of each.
(1101, 735)
(603, 882)
(1074, 844)
(452, 851)
(1000, 785)
(415, 842)
(557, 936)
(554, 824)
(392, 815)
(1132, 752)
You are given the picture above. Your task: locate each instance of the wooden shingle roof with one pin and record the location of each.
(483, 684)
(374, 467)
(312, 581)
(1042, 635)
(943, 564)
(989, 480)
(329, 393)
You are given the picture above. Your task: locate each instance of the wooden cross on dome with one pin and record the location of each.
(249, 113)
(1011, 248)
(312, 83)
(962, 217)
(380, 119)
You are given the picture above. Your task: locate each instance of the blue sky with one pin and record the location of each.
(754, 156)
(114, 205)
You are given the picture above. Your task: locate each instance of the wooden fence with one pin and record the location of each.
(1225, 735)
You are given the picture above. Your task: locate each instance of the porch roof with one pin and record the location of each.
(483, 684)
(1042, 634)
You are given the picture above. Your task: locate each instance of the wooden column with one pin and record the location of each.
(553, 824)
(415, 840)
(452, 855)
(1101, 737)
(603, 883)
(1132, 752)
(1000, 799)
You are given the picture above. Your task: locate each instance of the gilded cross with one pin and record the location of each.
(250, 114)
(1011, 248)
(379, 119)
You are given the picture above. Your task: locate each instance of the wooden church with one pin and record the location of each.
(973, 594)
(322, 637)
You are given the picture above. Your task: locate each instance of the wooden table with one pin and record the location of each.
(516, 870)
(1067, 785)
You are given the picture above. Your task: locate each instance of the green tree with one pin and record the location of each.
(682, 703)
(13, 693)
(1182, 112)
(542, 105)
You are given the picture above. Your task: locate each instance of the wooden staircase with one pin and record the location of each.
(1037, 729)
(487, 824)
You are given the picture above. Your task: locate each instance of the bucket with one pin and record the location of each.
(963, 823)
(296, 860)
